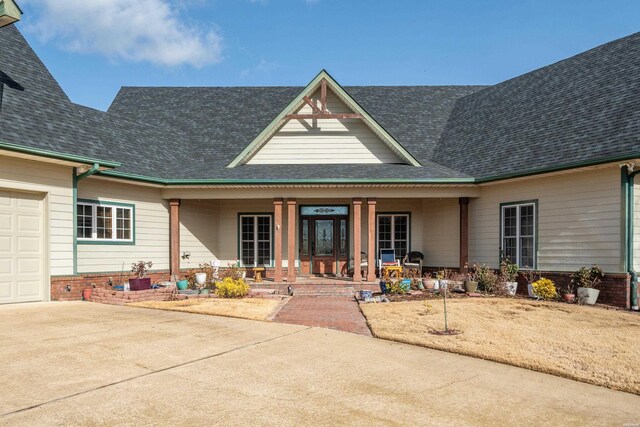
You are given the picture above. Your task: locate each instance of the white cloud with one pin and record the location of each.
(134, 30)
(263, 66)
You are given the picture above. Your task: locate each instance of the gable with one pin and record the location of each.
(325, 140)
(323, 82)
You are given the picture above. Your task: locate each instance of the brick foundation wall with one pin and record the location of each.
(77, 283)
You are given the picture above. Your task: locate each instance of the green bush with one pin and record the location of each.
(395, 287)
(488, 280)
(232, 288)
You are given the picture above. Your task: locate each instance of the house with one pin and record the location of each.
(316, 179)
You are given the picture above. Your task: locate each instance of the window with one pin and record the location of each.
(518, 229)
(104, 222)
(393, 233)
(255, 240)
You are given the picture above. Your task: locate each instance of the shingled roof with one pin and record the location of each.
(580, 110)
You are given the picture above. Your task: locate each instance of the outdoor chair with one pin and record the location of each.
(413, 261)
(388, 261)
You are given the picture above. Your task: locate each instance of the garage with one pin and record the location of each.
(22, 247)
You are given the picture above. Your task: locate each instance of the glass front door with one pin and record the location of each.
(323, 244)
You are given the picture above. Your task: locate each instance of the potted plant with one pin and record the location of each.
(509, 271)
(202, 276)
(470, 282)
(531, 276)
(569, 292)
(586, 279)
(140, 283)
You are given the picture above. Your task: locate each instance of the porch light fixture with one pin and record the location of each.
(10, 12)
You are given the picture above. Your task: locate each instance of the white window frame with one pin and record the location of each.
(393, 229)
(255, 238)
(114, 231)
(519, 236)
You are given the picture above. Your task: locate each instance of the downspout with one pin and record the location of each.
(628, 182)
(76, 178)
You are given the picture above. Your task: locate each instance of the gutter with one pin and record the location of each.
(628, 181)
(94, 169)
(56, 155)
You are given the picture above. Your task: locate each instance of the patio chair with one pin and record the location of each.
(413, 261)
(388, 261)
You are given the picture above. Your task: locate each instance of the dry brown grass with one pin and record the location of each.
(588, 344)
(249, 308)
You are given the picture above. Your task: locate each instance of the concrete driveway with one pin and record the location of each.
(91, 364)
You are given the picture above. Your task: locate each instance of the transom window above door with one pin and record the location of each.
(394, 233)
(105, 222)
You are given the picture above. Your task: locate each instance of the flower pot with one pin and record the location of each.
(421, 285)
(470, 286)
(512, 287)
(201, 278)
(588, 295)
(383, 287)
(428, 284)
(86, 294)
(436, 285)
(138, 284)
(204, 291)
(530, 291)
(182, 284)
(569, 297)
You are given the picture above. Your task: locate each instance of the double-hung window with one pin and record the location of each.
(255, 240)
(104, 222)
(394, 233)
(518, 232)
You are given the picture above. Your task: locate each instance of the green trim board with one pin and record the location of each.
(239, 235)
(534, 202)
(297, 102)
(628, 193)
(57, 155)
(132, 206)
(74, 178)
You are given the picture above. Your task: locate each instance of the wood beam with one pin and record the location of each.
(174, 237)
(324, 116)
(323, 95)
(277, 213)
(464, 233)
(371, 240)
(312, 104)
(357, 239)
(291, 240)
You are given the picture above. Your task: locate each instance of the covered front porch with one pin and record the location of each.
(318, 236)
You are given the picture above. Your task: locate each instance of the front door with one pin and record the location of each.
(323, 245)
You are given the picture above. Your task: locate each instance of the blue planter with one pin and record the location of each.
(182, 285)
(383, 287)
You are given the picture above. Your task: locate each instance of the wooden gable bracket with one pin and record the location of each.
(321, 113)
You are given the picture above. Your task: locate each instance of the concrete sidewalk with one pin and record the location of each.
(91, 364)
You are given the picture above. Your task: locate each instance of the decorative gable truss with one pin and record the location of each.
(324, 125)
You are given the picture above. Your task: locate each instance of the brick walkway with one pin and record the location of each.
(341, 313)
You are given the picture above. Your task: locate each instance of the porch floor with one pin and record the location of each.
(315, 286)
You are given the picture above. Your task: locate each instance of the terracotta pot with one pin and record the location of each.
(569, 297)
(86, 294)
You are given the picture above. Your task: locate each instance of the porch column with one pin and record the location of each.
(371, 240)
(277, 213)
(174, 237)
(291, 240)
(464, 233)
(357, 239)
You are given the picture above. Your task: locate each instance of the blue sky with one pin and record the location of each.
(93, 47)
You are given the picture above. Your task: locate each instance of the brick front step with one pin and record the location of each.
(306, 289)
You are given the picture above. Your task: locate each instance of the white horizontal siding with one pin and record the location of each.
(199, 224)
(324, 141)
(151, 228)
(579, 220)
(636, 224)
(441, 242)
(57, 182)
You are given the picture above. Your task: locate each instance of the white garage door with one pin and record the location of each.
(21, 247)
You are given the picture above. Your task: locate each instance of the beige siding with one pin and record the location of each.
(151, 228)
(441, 245)
(57, 182)
(579, 219)
(199, 228)
(636, 224)
(324, 141)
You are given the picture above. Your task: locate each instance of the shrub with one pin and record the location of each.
(509, 270)
(395, 287)
(586, 278)
(545, 288)
(488, 280)
(232, 288)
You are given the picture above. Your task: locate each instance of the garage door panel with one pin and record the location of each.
(29, 245)
(29, 223)
(6, 267)
(6, 222)
(21, 247)
(5, 290)
(6, 244)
